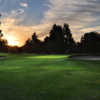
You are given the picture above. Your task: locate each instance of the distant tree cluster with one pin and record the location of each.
(59, 41)
(32, 45)
(90, 43)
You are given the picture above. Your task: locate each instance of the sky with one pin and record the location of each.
(21, 18)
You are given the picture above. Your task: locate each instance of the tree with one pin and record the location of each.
(3, 43)
(55, 42)
(1, 35)
(59, 40)
(68, 39)
(32, 45)
(90, 42)
(0, 30)
(34, 37)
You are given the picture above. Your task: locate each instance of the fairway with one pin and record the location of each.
(48, 77)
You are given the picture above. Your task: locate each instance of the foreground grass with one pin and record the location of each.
(48, 77)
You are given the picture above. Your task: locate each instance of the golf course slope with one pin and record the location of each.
(48, 77)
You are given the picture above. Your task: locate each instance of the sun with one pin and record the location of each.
(12, 41)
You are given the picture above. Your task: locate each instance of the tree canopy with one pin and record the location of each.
(59, 41)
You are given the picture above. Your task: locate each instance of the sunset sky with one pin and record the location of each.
(20, 18)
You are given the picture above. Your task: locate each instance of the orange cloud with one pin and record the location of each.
(20, 33)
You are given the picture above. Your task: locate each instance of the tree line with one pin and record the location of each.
(59, 41)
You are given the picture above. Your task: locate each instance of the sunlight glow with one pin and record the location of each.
(12, 41)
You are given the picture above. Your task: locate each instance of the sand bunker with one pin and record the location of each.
(93, 58)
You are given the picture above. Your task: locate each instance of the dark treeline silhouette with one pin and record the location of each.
(90, 43)
(32, 45)
(59, 41)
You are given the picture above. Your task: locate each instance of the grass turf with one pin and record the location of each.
(48, 77)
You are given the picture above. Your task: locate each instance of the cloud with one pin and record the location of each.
(10, 28)
(20, 33)
(23, 4)
(80, 14)
(17, 12)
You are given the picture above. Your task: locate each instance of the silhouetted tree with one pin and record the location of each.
(1, 35)
(34, 38)
(59, 40)
(3, 43)
(90, 42)
(55, 42)
(68, 39)
(0, 30)
(32, 45)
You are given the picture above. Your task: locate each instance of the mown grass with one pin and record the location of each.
(48, 77)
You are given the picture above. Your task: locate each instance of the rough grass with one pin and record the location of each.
(48, 77)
